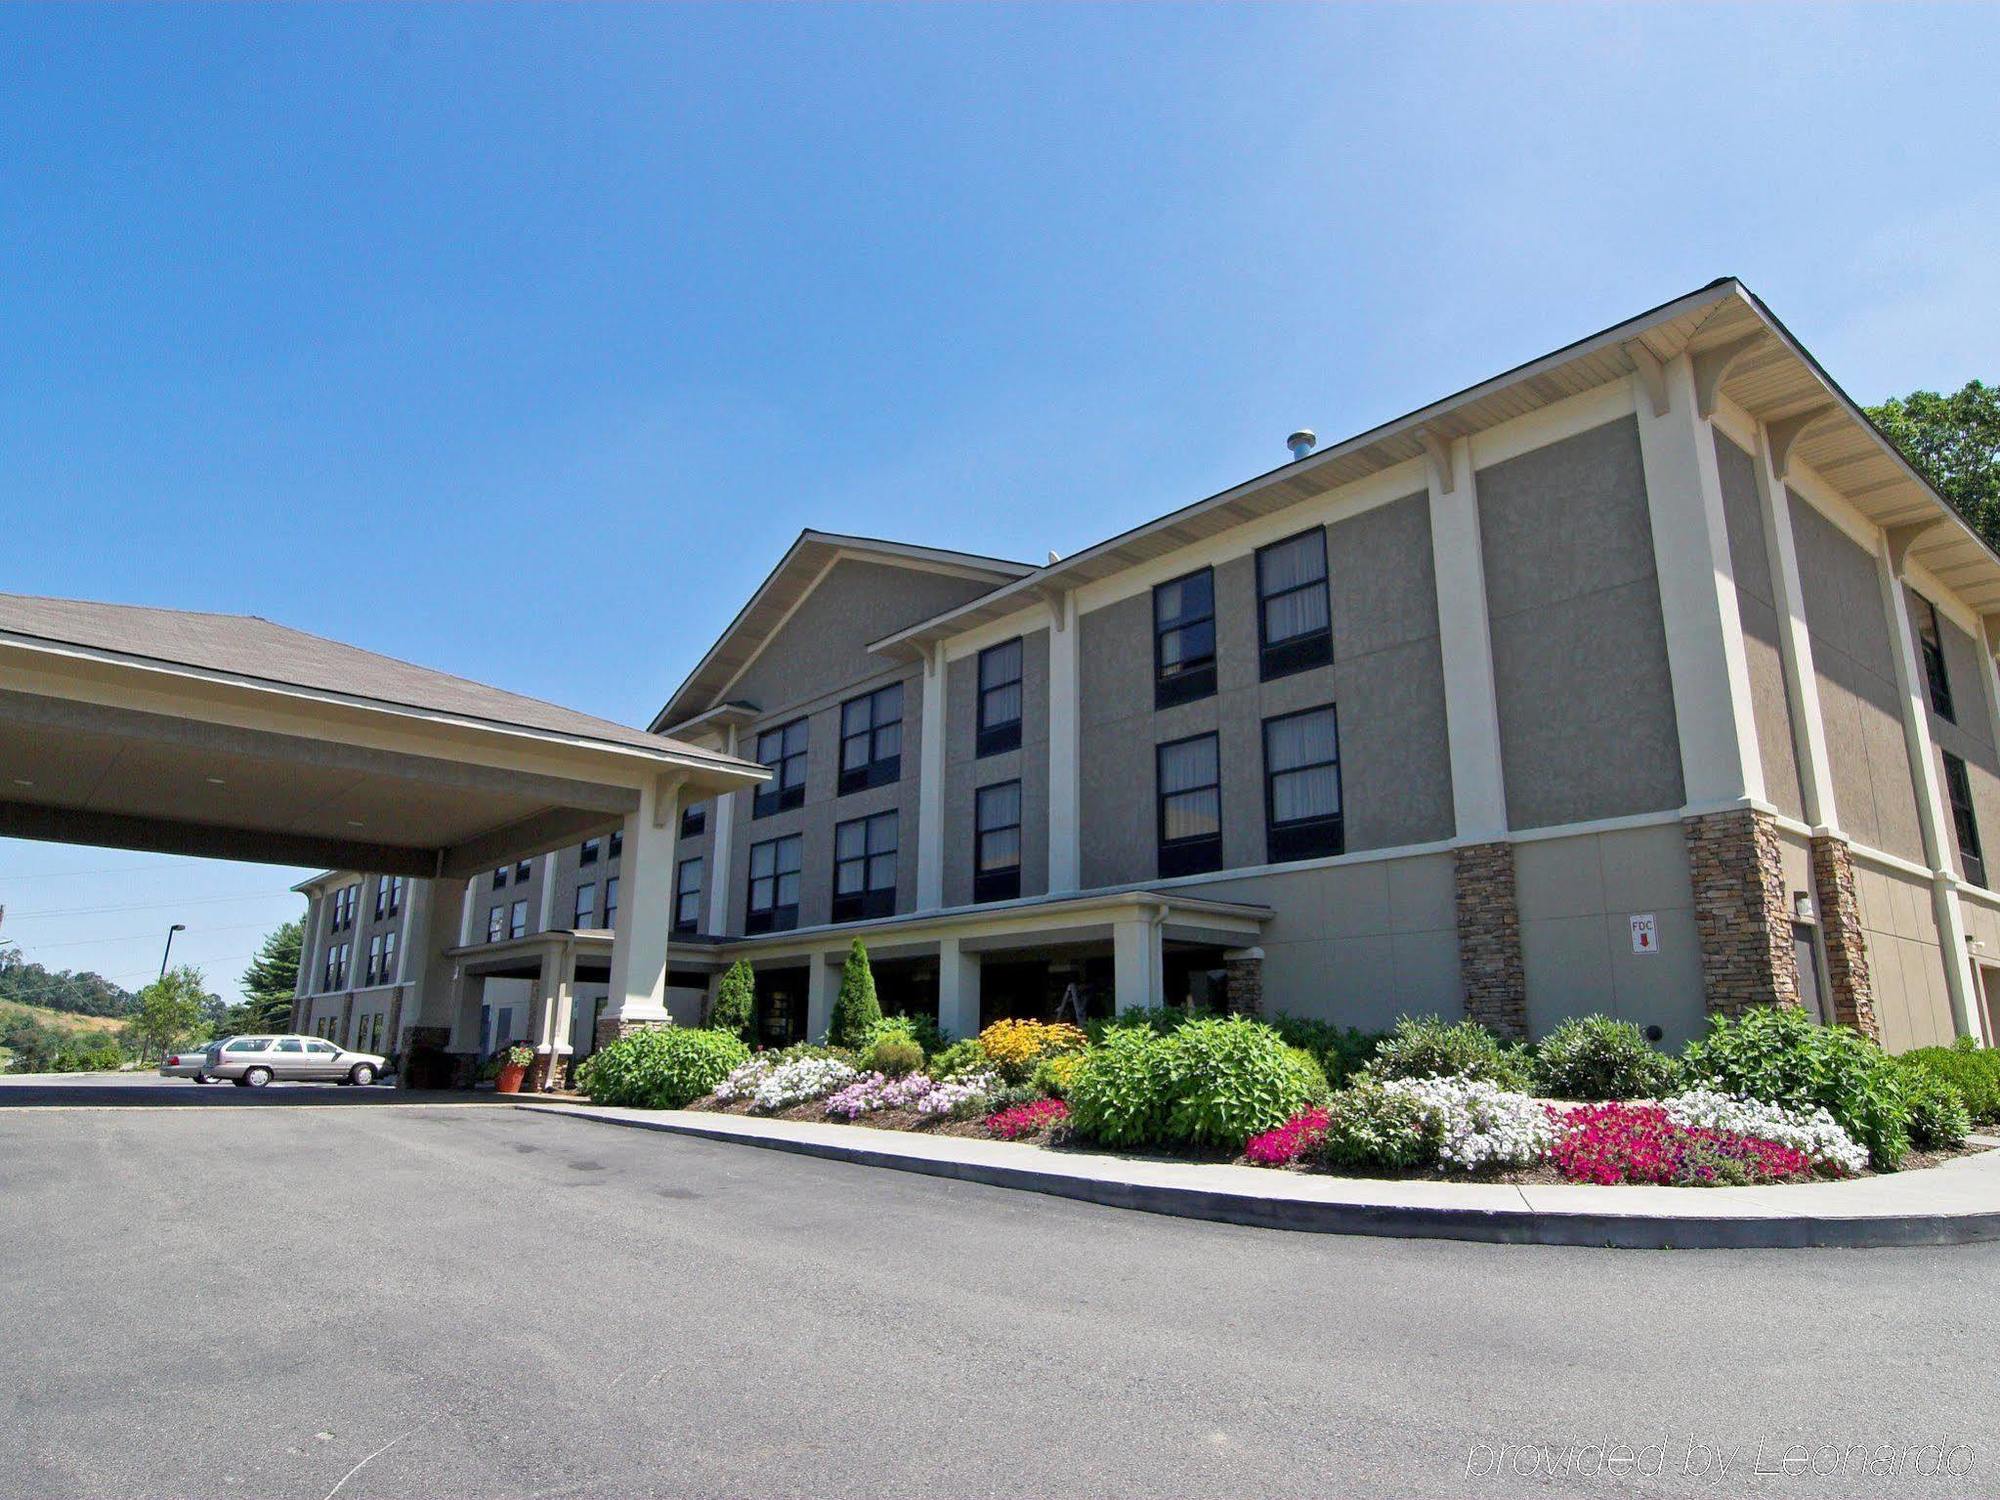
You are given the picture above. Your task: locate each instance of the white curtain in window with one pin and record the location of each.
(1302, 752)
(1294, 572)
(1191, 802)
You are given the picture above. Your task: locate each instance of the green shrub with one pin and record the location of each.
(855, 1008)
(960, 1057)
(663, 1069)
(919, 1029)
(1595, 1057)
(1777, 1054)
(1371, 1129)
(1160, 1020)
(893, 1056)
(1121, 1094)
(1974, 1071)
(1939, 1120)
(1312, 1076)
(1053, 1075)
(1229, 1079)
(1342, 1050)
(735, 1005)
(1427, 1047)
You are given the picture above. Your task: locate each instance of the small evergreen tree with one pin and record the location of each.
(735, 1000)
(855, 1009)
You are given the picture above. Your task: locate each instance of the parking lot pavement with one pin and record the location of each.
(431, 1302)
(106, 1090)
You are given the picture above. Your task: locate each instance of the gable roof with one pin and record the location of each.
(1740, 350)
(805, 562)
(257, 651)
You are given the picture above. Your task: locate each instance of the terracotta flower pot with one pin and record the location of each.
(508, 1080)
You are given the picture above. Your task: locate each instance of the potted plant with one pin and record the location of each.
(514, 1061)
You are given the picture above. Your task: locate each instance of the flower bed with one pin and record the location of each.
(1621, 1143)
(1018, 1120)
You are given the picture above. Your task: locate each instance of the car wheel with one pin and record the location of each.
(203, 1078)
(241, 1083)
(363, 1075)
(256, 1078)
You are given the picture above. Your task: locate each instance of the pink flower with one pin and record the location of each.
(1287, 1143)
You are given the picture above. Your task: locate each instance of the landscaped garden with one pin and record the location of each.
(1767, 1097)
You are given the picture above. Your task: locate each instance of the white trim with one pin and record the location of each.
(1795, 654)
(548, 912)
(1471, 701)
(930, 783)
(1553, 423)
(721, 850)
(721, 694)
(1022, 622)
(1065, 717)
(1895, 863)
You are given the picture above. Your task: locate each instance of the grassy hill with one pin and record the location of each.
(60, 1020)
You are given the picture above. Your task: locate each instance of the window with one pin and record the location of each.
(871, 739)
(783, 751)
(1190, 819)
(388, 896)
(318, 1047)
(388, 958)
(774, 885)
(374, 972)
(693, 820)
(616, 845)
(1000, 698)
(249, 1044)
(1302, 785)
(1294, 623)
(611, 904)
(591, 849)
(996, 854)
(864, 868)
(344, 902)
(517, 920)
(500, 879)
(290, 1044)
(495, 923)
(522, 871)
(1932, 640)
(586, 904)
(1959, 790)
(1184, 639)
(687, 895)
(335, 974)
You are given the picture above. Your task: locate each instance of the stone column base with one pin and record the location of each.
(1850, 989)
(611, 1028)
(1245, 982)
(1741, 916)
(426, 1063)
(1489, 938)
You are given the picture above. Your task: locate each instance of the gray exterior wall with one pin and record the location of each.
(1904, 959)
(1586, 706)
(485, 898)
(1757, 609)
(965, 771)
(1970, 738)
(1386, 680)
(1854, 662)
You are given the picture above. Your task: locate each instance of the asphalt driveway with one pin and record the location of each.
(417, 1301)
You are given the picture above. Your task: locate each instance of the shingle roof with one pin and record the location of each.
(249, 646)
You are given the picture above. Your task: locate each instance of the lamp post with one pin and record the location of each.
(177, 927)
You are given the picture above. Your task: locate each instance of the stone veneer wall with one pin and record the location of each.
(1489, 938)
(1245, 970)
(1740, 912)
(611, 1028)
(1852, 992)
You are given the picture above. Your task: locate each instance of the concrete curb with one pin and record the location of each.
(1506, 1226)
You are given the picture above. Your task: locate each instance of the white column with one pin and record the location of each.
(722, 819)
(958, 989)
(1065, 746)
(639, 947)
(434, 1001)
(1138, 963)
(820, 989)
(1465, 638)
(1711, 674)
(1795, 643)
(548, 893)
(1940, 850)
(930, 784)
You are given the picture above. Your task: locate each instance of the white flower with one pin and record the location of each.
(743, 1081)
(797, 1081)
(1481, 1124)
(1811, 1131)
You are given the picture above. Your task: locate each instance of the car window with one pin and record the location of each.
(289, 1044)
(249, 1044)
(322, 1048)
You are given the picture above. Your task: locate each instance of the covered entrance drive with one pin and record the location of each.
(229, 737)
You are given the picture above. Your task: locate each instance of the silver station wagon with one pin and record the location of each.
(250, 1062)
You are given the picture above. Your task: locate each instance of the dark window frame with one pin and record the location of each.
(517, 920)
(1297, 653)
(1937, 677)
(496, 921)
(694, 820)
(589, 852)
(1964, 819)
(1199, 855)
(781, 793)
(500, 877)
(879, 769)
(871, 900)
(776, 915)
(578, 912)
(996, 736)
(1004, 883)
(1303, 838)
(1186, 682)
(689, 922)
(611, 903)
(614, 844)
(524, 871)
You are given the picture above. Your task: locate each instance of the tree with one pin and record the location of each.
(270, 983)
(169, 1009)
(1954, 442)
(735, 1000)
(855, 1009)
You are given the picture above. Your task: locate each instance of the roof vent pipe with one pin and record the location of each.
(1301, 443)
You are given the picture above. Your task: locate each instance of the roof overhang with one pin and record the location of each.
(106, 747)
(1740, 351)
(797, 573)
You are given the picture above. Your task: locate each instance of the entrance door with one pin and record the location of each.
(781, 1008)
(1989, 1002)
(1812, 993)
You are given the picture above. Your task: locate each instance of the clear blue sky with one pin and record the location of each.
(522, 342)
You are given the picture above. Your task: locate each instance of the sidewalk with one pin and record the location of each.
(1953, 1204)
